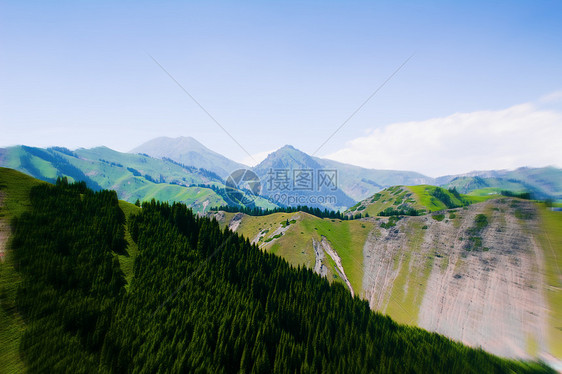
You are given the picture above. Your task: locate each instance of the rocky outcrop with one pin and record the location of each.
(319, 255)
(235, 221)
(325, 245)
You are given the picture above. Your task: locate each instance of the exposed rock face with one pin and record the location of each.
(319, 266)
(474, 274)
(484, 287)
(324, 247)
(235, 222)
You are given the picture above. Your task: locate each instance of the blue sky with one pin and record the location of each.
(78, 74)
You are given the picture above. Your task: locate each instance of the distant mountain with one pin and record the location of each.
(543, 182)
(360, 183)
(352, 183)
(184, 170)
(293, 178)
(133, 176)
(190, 152)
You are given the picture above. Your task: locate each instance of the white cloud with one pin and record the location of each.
(256, 158)
(553, 97)
(522, 135)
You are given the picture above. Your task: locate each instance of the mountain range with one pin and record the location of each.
(184, 170)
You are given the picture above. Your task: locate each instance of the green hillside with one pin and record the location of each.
(133, 176)
(14, 200)
(422, 199)
(200, 299)
(295, 243)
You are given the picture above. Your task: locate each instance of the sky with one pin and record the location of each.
(458, 86)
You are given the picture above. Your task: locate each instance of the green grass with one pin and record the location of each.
(532, 346)
(486, 192)
(391, 197)
(252, 225)
(551, 242)
(419, 198)
(295, 245)
(426, 201)
(438, 217)
(347, 238)
(127, 260)
(12, 325)
(17, 185)
(296, 248)
(14, 187)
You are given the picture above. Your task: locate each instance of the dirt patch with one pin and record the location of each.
(218, 216)
(235, 221)
(382, 259)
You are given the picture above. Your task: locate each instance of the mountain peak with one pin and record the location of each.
(288, 147)
(188, 151)
(287, 157)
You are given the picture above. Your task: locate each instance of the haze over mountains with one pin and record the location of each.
(182, 169)
(356, 182)
(188, 151)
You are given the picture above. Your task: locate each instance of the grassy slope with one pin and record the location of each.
(347, 238)
(127, 260)
(295, 245)
(15, 187)
(551, 242)
(417, 197)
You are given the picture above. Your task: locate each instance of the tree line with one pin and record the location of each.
(257, 211)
